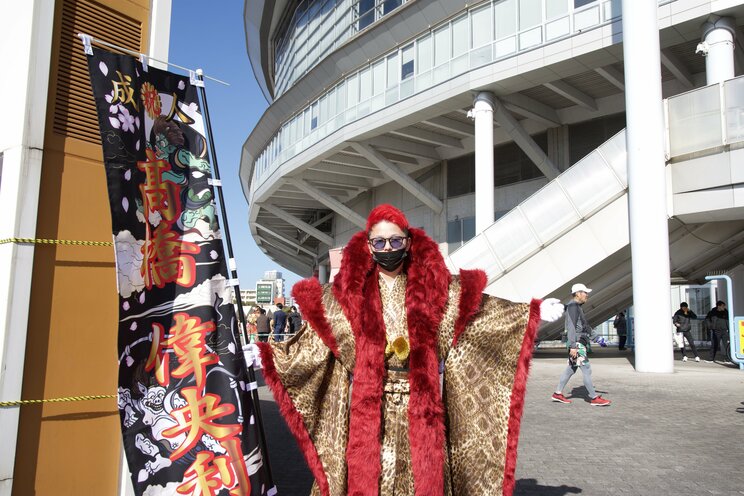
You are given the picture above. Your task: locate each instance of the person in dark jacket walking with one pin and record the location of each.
(718, 325)
(294, 320)
(621, 328)
(681, 321)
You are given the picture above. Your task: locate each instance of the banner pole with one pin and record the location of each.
(234, 278)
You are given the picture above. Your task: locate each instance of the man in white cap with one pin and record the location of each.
(579, 335)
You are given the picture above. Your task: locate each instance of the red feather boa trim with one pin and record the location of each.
(308, 294)
(517, 397)
(294, 419)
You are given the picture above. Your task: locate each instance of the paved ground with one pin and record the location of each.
(665, 434)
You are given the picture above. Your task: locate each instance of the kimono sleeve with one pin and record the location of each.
(311, 388)
(484, 385)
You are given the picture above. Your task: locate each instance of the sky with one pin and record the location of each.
(211, 36)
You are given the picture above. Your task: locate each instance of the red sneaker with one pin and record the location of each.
(599, 401)
(559, 398)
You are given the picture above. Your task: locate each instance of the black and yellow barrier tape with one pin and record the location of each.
(8, 404)
(55, 242)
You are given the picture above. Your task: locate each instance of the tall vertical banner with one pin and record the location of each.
(186, 415)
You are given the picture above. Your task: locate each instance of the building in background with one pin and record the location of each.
(500, 127)
(58, 303)
(270, 289)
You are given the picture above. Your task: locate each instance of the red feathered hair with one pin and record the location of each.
(389, 213)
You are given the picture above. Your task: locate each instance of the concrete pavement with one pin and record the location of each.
(679, 434)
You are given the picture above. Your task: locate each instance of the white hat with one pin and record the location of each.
(579, 287)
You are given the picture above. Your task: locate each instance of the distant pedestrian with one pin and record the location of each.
(681, 321)
(579, 334)
(279, 323)
(621, 328)
(262, 325)
(294, 320)
(718, 326)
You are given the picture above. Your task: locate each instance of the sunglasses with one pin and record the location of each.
(396, 242)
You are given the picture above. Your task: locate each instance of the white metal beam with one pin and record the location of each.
(531, 108)
(524, 140)
(612, 76)
(347, 181)
(346, 159)
(347, 170)
(290, 261)
(451, 125)
(572, 93)
(431, 137)
(316, 223)
(404, 147)
(396, 174)
(675, 66)
(328, 201)
(298, 223)
(278, 246)
(286, 240)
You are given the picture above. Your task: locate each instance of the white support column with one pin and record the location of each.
(26, 49)
(482, 114)
(649, 234)
(718, 48)
(322, 273)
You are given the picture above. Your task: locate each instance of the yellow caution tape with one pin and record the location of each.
(8, 404)
(55, 242)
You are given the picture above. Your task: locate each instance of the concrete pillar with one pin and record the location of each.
(482, 113)
(718, 48)
(323, 273)
(649, 234)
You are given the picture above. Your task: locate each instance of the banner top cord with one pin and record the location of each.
(87, 40)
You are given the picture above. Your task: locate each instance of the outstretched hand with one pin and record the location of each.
(551, 309)
(252, 356)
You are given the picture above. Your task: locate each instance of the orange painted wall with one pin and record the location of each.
(73, 447)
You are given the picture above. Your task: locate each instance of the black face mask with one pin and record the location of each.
(389, 260)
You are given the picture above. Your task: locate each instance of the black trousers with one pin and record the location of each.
(688, 336)
(716, 338)
(621, 338)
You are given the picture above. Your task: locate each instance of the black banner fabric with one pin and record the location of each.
(186, 416)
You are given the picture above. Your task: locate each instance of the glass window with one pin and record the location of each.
(352, 91)
(423, 54)
(555, 8)
(505, 15)
(406, 63)
(341, 97)
(480, 21)
(392, 70)
(441, 45)
(366, 13)
(530, 14)
(389, 5)
(581, 3)
(459, 36)
(314, 116)
(365, 84)
(378, 77)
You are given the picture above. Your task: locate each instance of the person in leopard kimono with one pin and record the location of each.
(405, 379)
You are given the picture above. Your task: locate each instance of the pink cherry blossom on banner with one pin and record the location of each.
(103, 68)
